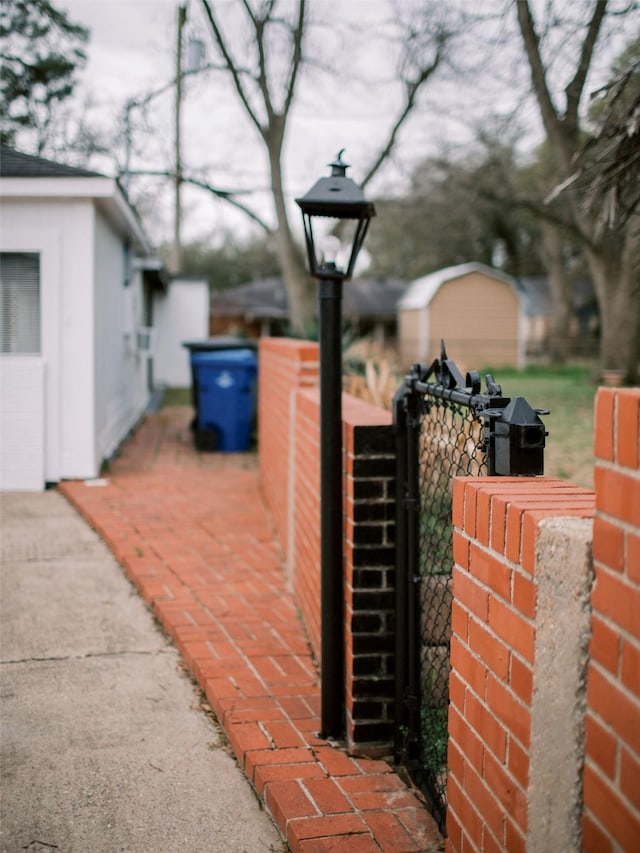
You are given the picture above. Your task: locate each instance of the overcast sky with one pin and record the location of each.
(132, 52)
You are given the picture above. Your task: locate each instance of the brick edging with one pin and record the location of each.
(320, 797)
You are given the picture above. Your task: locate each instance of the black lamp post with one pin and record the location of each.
(335, 197)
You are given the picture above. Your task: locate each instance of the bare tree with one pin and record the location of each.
(256, 89)
(265, 75)
(613, 254)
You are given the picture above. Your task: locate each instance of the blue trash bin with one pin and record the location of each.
(226, 390)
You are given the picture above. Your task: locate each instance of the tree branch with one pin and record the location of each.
(542, 211)
(230, 64)
(144, 100)
(225, 195)
(259, 24)
(412, 87)
(531, 41)
(228, 196)
(296, 59)
(575, 88)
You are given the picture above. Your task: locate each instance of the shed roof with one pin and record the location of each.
(422, 290)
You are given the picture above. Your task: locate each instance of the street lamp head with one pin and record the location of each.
(335, 197)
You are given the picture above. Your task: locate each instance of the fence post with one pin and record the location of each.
(407, 424)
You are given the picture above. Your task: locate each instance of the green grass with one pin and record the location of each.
(434, 740)
(177, 397)
(568, 393)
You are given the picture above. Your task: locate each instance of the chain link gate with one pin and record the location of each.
(445, 427)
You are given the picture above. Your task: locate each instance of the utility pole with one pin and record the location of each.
(194, 64)
(176, 250)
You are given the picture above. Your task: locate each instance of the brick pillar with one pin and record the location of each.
(612, 766)
(369, 566)
(519, 632)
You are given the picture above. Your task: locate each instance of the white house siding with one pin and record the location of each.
(85, 362)
(22, 384)
(26, 225)
(181, 314)
(77, 344)
(120, 376)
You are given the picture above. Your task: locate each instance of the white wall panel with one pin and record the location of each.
(22, 396)
(181, 314)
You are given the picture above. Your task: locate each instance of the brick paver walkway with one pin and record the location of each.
(192, 532)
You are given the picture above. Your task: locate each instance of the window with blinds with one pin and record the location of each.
(20, 303)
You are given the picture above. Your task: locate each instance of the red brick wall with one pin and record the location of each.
(492, 653)
(305, 513)
(612, 766)
(284, 366)
(289, 447)
(495, 624)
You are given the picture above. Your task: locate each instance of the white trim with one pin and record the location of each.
(105, 192)
(423, 333)
(56, 187)
(522, 336)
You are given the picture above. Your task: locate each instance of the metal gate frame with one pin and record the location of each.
(512, 444)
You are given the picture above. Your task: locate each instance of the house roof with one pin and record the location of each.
(536, 295)
(373, 298)
(264, 298)
(23, 176)
(15, 164)
(421, 291)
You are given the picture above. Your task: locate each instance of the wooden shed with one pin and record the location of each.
(475, 309)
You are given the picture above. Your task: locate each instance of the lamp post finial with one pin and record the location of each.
(339, 167)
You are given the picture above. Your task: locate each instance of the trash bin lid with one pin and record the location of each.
(219, 342)
(225, 358)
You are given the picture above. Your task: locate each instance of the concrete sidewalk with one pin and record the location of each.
(105, 746)
(191, 530)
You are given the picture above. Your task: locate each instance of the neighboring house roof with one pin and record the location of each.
(373, 298)
(15, 164)
(264, 298)
(536, 296)
(421, 291)
(26, 176)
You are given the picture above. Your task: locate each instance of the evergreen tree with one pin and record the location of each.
(41, 50)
